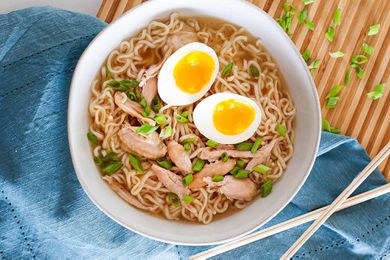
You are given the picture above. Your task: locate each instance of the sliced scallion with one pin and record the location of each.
(136, 163)
(336, 54)
(281, 129)
(377, 92)
(347, 77)
(165, 163)
(188, 199)
(302, 16)
(309, 25)
(190, 140)
(315, 64)
(374, 29)
(329, 35)
(359, 59)
(146, 129)
(261, 168)
(173, 199)
(245, 146)
(187, 147)
(112, 168)
(147, 111)
(334, 91)
(218, 178)
(307, 2)
(166, 132)
(367, 49)
(256, 145)
(228, 68)
(198, 166)
(254, 71)
(212, 143)
(187, 180)
(306, 55)
(359, 72)
(241, 174)
(337, 17)
(266, 188)
(92, 138)
(156, 104)
(234, 170)
(332, 101)
(240, 163)
(160, 119)
(224, 157)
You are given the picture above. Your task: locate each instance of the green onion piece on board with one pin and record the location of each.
(245, 146)
(256, 145)
(332, 101)
(367, 49)
(336, 54)
(334, 91)
(377, 92)
(359, 72)
(329, 35)
(266, 188)
(306, 55)
(228, 68)
(359, 59)
(337, 17)
(187, 180)
(315, 64)
(218, 178)
(188, 199)
(198, 166)
(173, 199)
(212, 143)
(165, 163)
(135, 162)
(302, 16)
(347, 77)
(261, 168)
(92, 138)
(309, 25)
(307, 2)
(146, 129)
(374, 29)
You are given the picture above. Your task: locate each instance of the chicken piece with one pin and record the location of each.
(171, 181)
(148, 146)
(132, 108)
(179, 156)
(239, 189)
(149, 91)
(212, 154)
(263, 155)
(178, 40)
(218, 168)
(124, 194)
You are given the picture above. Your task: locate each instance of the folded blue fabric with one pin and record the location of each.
(45, 214)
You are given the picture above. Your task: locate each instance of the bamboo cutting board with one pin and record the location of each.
(355, 114)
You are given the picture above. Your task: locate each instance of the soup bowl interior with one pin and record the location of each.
(261, 210)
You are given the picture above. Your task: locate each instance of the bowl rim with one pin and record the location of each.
(76, 163)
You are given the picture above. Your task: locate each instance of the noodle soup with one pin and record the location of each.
(155, 155)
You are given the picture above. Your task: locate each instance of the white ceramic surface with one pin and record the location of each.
(308, 120)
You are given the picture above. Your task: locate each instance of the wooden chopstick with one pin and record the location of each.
(294, 222)
(338, 201)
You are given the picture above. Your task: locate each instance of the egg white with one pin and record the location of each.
(203, 118)
(168, 91)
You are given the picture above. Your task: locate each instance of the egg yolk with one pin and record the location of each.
(232, 117)
(194, 71)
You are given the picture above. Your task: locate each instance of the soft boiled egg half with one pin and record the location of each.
(227, 118)
(187, 74)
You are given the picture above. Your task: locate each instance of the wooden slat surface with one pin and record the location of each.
(355, 114)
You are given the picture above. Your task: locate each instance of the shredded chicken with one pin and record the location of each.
(218, 168)
(171, 181)
(263, 155)
(239, 189)
(132, 108)
(148, 146)
(149, 91)
(179, 157)
(182, 38)
(124, 194)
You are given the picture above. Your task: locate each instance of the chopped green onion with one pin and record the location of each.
(143, 102)
(254, 71)
(353, 65)
(335, 131)
(289, 7)
(347, 77)
(218, 178)
(173, 199)
(187, 180)
(187, 147)
(188, 140)
(315, 64)
(241, 174)
(181, 119)
(160, 119)
(261, 168)
(256, 145)
(185, 114)
(306, 55)
(377, 92)
(188, 199)
(334, 91)
(111, 157)
(138, 95)
(337, 17)
(332, 101)
(112, 168)
(306, 2)
(212, 143)
(92, 138)
(329, 35)
(302, 16)
(309, 25)
(146, 129)
(116, 85)
(228, 68)
(281, 129)
(367, 49)
(166, 132)
(336, 54)
(359, 59)
(224, 157)
(266, 188)
(198, 166)
(129, 83)
(146, 112)
(359, 72)
(374, 29)
(132, 96)
(156, 104)
(136, 163)
(234, 170)
(326, 127)
(240, 163)
(98, 160)
(165, 163)
(108, 72)
(245, 146)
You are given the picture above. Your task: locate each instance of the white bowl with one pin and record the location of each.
(296, 74)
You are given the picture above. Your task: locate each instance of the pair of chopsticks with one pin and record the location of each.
(319, 215)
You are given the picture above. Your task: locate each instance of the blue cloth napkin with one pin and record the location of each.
(44, 212)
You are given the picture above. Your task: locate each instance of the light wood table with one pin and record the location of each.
(355, 114)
